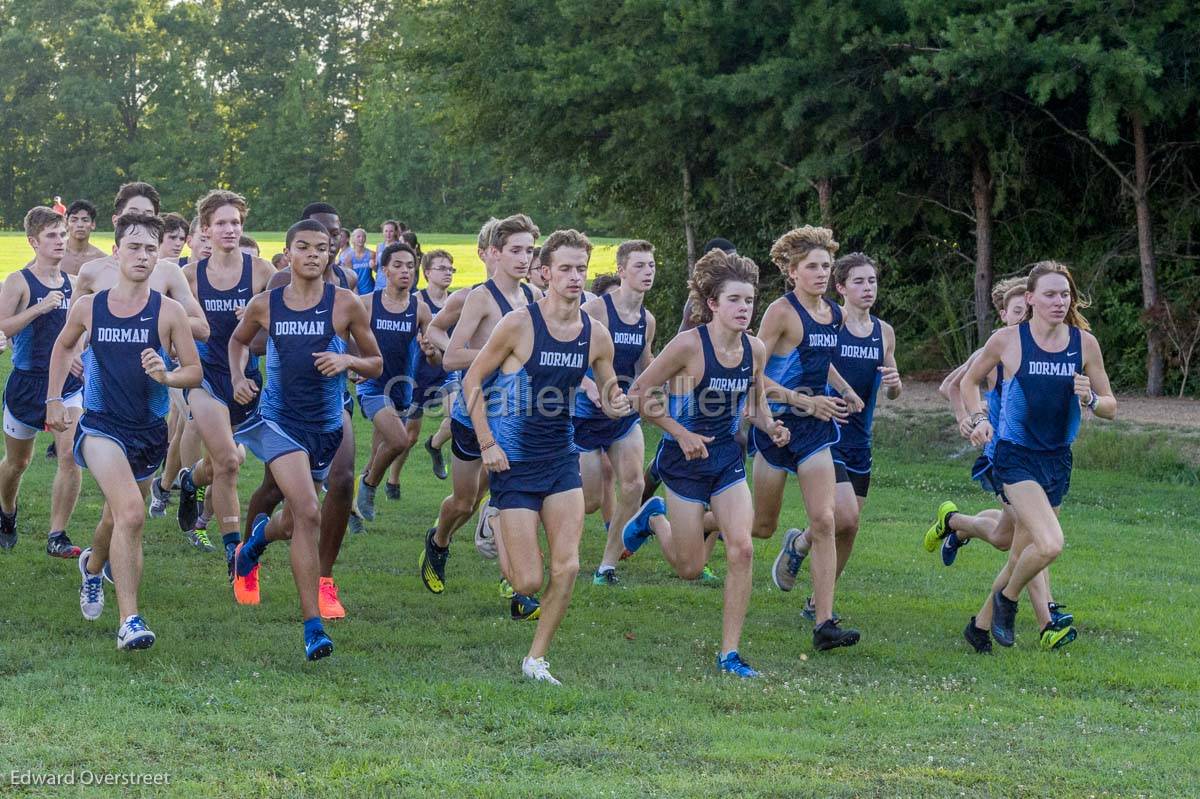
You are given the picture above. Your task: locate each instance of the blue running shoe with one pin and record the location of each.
(317, 645)
(524, 608)
(733, 664)
(1059, 618)
(950, 546)
(249, 551)
(637, 529)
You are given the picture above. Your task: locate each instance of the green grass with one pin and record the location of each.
(15, 252)
(423, 695)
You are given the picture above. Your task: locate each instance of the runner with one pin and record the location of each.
(81, 221)
(358, 257)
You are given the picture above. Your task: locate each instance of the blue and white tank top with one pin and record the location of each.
(1039, 409)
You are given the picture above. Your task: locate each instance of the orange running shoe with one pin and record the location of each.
(245, 589)
(327, 600)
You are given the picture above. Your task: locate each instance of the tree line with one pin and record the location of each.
(956, 142)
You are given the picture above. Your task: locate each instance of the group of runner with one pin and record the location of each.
(145, 360)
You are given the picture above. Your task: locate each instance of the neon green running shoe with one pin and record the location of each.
(1056, 638)
(506, 589)
(939, 529)
(708, 577)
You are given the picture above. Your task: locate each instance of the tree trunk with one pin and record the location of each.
(1141, 200)
(825, 201)
(981, 193)
(688, 233)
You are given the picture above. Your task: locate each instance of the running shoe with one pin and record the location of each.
(626, 554)
(59, 546)
(327, 600)
(355, 524)
(52, 452)
(950, 546)
(392, 491)
(787, 562)
(365, 502)
(708, 576)
(733, 664)
(810, 611)
(134, 634)
(200, 540)
(1058, 616)
(637, 529)
(436, 459)
(159, 499)
(91, 589)
(485, 532)
(432, 564)
(606, 577)
(317, 645)
(830, 635)
(1056, 637)
(980, 640)
(8, 530)
(506, 589)
(524, 608)
(939, 529)
(246, 566)
(1004, 617)
(538, 670)
(191, 501)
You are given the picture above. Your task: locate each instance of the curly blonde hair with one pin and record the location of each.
(709, 276)
(1005, 290)
(790, 248)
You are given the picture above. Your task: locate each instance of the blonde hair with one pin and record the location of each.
(790, 248)
(1005, 290)
(219, 198)
(1043, 268)
(485, 233)
(709, 276)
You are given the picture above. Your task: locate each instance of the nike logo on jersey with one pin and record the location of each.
(582, 343)
(323, 310)
(243, 289)
(1070, 354)
(145, 318)
(745, 368)
(874, 339)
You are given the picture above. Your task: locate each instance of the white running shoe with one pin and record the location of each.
(159, 500)
(485, 534)
(134, 634)
(539, 670)
(91, 589)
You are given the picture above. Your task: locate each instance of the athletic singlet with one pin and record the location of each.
(714, 407)
(459, 412)
(857, 361)
(340, 274)
(183, 262)
(362, 270)
(32, 346)
(806, 368)
(1039, 409)
(629, 341)
(115, 385)
(427, 373)
(396, 334)
(220, 308)
(994, 399)
(296, 394)
(529, 410)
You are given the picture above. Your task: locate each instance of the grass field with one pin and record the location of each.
(423, 695)
(15, 252)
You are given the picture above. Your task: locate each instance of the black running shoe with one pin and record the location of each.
(1004, 617)
(432, 564)
(8, 530)
(392, 491)
(59, 546)
(830, 635)
(52, 452)
(189, 502)
(981, 640)
(435, 455)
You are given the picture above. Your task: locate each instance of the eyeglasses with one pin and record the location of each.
(449, 269)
